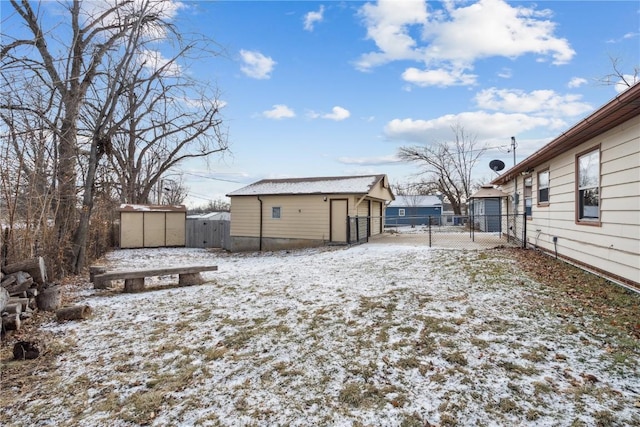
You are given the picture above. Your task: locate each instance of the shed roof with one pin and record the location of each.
(151, 208)
(488, 192)
(620, 109)
(320, 185)
(416, 201)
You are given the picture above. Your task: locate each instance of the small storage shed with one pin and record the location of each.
(485, 206)
(152, 226)
(277, 214)
(413, 210)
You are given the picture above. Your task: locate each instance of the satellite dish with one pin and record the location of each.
(496, 165)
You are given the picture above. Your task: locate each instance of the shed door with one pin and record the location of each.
(154, 229)
(339, 221)
(175, 229)
(131, 231)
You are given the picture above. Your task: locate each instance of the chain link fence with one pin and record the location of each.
(446, 231)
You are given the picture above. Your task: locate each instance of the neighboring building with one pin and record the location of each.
(583, 190)
(485, 209)
(152, 226)
(413, 210)
(304, 212)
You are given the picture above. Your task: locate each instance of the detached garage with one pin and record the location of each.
(152, 226)
(275, 214)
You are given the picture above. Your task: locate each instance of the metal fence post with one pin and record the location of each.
(524, 230)
(429, 230)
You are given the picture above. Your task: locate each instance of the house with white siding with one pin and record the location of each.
(581, 192)
(274, 214)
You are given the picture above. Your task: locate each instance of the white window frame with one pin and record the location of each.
(276, 212)
(544, 186)
(588, 180)
(528, 195)
(401, 212)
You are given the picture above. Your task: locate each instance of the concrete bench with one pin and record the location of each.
(134, 279)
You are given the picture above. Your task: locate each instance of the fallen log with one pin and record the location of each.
(11, 322)
(24, 302)
(13, 308)
(76, 312)
(34, 266)
(49, 298)
(32, 292)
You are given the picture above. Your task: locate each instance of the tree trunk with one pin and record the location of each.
(76, 312)
(49, 298)
(34, 266)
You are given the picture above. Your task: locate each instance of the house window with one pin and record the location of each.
(588, 197)
(543, 187)
(400, 212)
(275, 212)
(528, 184)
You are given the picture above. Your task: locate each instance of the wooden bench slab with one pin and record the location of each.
(134, 279)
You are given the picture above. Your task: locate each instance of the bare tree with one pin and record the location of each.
(447, 166)
(84, 72)
(218, 205)
(618, 77)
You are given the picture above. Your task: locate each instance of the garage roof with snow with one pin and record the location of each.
(322, 185)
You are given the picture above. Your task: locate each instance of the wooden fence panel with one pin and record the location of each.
(203, 233)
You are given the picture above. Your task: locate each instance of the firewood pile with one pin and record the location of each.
(24, 288)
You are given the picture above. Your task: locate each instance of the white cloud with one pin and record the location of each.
(539, 102)
(481, 124)
(629, 80)
(438, 77)
(256, 65)
(388, 26)
(454, 38)
(337, 113)
(279, 111)
(505, 73)
(311, 18)
(577, 82)
(370, 161)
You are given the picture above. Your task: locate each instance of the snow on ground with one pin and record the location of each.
(376, 334)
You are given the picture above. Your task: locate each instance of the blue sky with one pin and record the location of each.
(336, 87)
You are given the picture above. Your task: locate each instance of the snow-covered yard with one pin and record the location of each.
(376, 334)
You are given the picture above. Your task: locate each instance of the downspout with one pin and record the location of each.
(260, 232)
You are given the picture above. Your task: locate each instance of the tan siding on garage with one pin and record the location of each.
(245, 216)
(302, 217)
